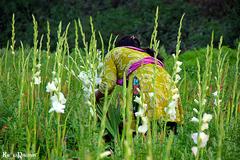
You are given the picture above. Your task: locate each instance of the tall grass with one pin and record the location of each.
(28, 127)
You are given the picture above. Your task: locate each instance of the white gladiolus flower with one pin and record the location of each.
(178, 63)
(194, 150)
(172, 104)
(57, 107)
(203, 139)
(60, 98)
(105, 154)
(194, 119)
(175, 91)
(58, 103)
(171, 112)
(145, 120)
(143, 128)
(37, 73)
(38, 65)
(196, 101)
(37, 80)
(207, 117)
(177, 78)
(215, 94)
(195, 110)
(140, 112)
(173, 117)
(175, 97)
(51, 87)
(138, 100)
(204, 126)
(178, 69)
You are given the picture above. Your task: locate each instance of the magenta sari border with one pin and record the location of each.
(136, 65)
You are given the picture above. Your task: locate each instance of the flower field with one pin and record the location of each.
(48, 109)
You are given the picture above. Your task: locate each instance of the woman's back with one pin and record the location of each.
(153, 79)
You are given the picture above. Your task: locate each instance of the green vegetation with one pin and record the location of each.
(27, 126)
(126, 17)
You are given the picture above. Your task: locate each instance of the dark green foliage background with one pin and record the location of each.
(126, 17)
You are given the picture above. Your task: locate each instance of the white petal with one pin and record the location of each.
(51, 87)
(172, 104)
(138, 100)
(179, 63)
(175, 91)
(195, 110)
(105, 154)
(37, 80)
(144, 120)
(207, 117)
(38, 65)
(178, 69)
(195, 137)
(37, 73)
(215, 94)
(173, 117)
(58, 98)
(204, 126)
(143, 128)
(203, 139)
(54, 98)
(57, 107)
(194, 119)
(140, 112)
(194, 150)
(175, 97)
(177, 78)
(62, 99)
(196, 101)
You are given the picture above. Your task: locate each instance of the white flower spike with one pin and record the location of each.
(51, 87)
(37, 80)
